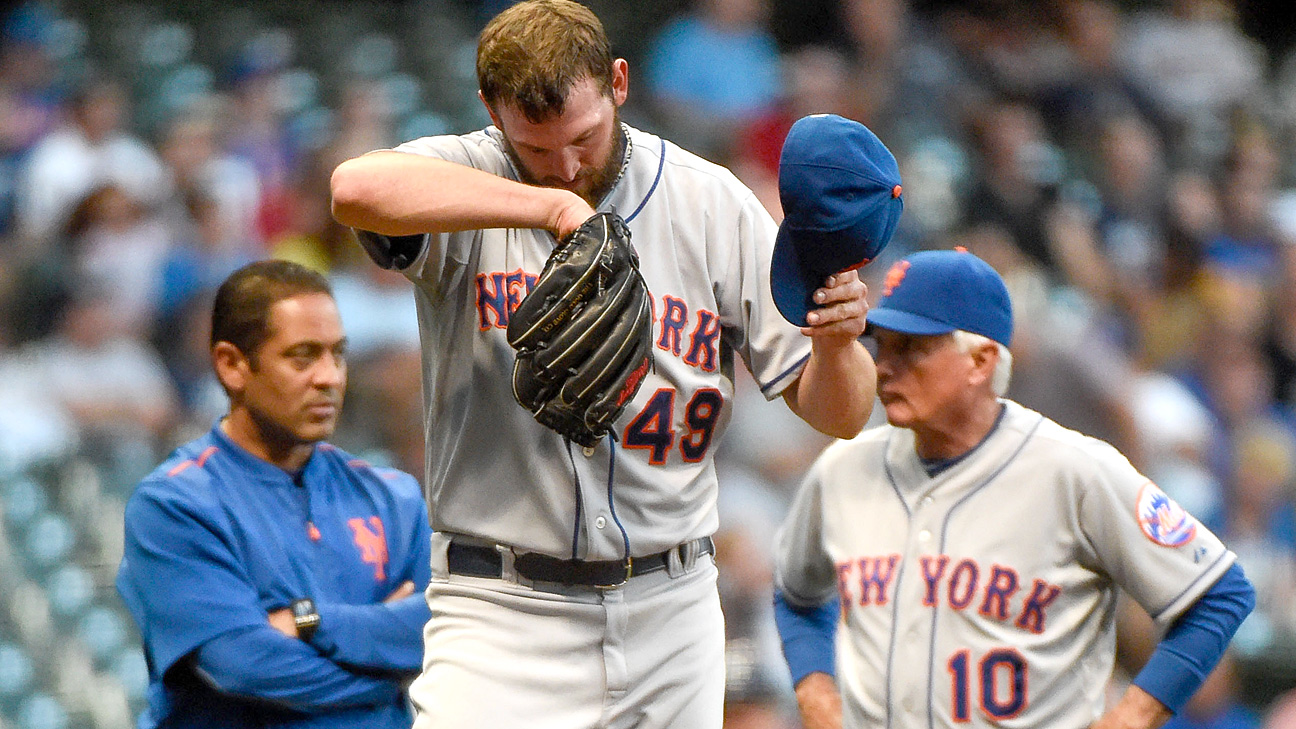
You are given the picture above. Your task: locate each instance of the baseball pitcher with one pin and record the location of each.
(583, 291)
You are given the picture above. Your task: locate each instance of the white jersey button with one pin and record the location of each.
(600, 522)
(908, 704)
(927, 501)
(924, 536)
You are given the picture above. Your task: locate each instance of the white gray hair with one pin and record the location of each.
(968, 341)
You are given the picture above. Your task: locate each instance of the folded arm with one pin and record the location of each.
(263, 664)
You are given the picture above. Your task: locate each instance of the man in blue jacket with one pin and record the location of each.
(277, 580)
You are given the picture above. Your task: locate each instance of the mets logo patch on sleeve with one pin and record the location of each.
(1162, 520)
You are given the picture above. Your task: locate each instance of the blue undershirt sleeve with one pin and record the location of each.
(1197, 640)
(263, 664)
(807, 635)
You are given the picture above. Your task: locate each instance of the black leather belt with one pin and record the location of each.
(479, 561)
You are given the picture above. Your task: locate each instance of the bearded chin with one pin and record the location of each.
(598, 184)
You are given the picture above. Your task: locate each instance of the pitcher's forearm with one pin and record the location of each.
(397, 193)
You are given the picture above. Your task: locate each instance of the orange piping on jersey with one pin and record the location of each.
(181, 466)
(205, 455)
(202, 458)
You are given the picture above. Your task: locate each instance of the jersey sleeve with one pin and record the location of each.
(773, 349)
(1149, 545)
(803, 570)
(478, 150)
(179, 575)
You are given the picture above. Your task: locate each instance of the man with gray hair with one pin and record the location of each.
(975, 547)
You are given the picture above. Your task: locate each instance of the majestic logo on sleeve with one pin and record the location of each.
(372, 541)
(1162, 520)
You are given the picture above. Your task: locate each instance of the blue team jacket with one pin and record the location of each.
(216, 538)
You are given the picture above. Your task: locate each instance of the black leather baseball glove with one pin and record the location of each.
(583, 334)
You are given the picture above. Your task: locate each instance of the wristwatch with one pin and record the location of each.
(305, 617)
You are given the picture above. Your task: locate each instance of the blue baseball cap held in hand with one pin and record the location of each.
(840, 189)
(937, 292)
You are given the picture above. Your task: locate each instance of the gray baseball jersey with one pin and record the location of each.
(985, 595)
(704, 244)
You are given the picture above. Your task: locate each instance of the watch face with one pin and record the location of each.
(305, 617)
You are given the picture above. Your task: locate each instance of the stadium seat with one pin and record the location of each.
(16, 673)
(70, 589)
(48, 543)
(23, 501)
(103, 631)
(131, 670)
(42, 711)
(29, 613)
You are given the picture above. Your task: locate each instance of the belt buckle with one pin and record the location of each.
(629, 570)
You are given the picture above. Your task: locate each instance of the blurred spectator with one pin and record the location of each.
(1063, 366)
(1175, 431)
(257, 134)
(1019, 181)
(198, 164)
(33, 429)
(183, 342)
(905, 79)
(1247, 247)
(93, 149)
(1175, 319)
(1261, 528)
(311, 236)
(364, 123)
(757, 684)
(203, 256)
(377, 306)
(816, 82)
(111, 383)
(713, 69)
(119, 246)
(1131, 181)
(1231, 379)
(1096, 87)
(1280, 333)
(1004, 48)
(1191, 58)
(384, 414)
(29, 97)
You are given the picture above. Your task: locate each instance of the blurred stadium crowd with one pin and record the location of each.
(1129, 167)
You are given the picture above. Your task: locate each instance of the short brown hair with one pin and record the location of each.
(531, 55)
(241, 312)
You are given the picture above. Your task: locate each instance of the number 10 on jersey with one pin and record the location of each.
(1001, 674)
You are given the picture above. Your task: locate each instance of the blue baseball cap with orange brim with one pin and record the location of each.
(841, 195)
